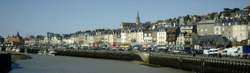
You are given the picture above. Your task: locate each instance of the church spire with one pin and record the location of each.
(17, 34)
(138, 22)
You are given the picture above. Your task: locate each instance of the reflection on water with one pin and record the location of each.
(15, 66)
(63, 64)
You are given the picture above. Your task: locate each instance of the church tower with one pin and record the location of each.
(138, 22)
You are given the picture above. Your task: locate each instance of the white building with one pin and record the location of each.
(68, 40)
(139, 37)
(232, 31)
(29, 41)
(217, 30)
(161, 37)
(90, 39)
(123, 37)
(186, 29)
(148, 38)
(55, 40)
(109, 39)
(180, 40)
(239, 32)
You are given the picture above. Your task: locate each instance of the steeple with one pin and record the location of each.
(18, 35)
(138, 22)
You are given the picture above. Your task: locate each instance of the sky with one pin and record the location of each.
(33, 17)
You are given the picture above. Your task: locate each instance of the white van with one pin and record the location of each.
(233, 51)
(210, 51)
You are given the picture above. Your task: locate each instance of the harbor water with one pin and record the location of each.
(65, 64)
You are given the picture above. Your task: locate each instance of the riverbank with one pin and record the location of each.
(118, 55)
(19, 56)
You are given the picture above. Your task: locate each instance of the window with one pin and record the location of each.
(217, 29)
(201, 30)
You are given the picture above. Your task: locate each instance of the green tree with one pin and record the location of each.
(212, 16)
(227, 12)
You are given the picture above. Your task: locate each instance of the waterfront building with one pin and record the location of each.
(161, 37)
(171, 36)
(68, 40)
(128, 34)
(239, 32)
(54, 39)
(14, 40)
(232, 30)
(140, 37)
(131, 33)
(207, 27)
(187, 31)
(79, 39)
(164, 24)
(123, 37)
(187, 28)
(180, 41)
(132, 37)
(148, 38)
(45, 40)
(129, 38)
(124, 41)
(100, 38)
(108, 38)
(197, 47)
(149, 35)
(40, 39)
(91, 39)
(226, 30)
(116, 38)
(31, 40)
